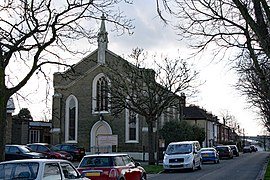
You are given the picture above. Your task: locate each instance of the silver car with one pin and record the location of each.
(39, 169)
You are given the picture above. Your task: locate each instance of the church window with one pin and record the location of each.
(132, 127)
(100, 94)
(71, 119)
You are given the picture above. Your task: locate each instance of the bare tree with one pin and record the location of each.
(230, 120)
(148, 92)
(231, 26)
(33, 32)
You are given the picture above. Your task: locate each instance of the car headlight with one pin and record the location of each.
(62, 155)
(189, 158)
(165, 158)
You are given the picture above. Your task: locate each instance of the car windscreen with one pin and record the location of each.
(25, 149)
(179, 149)
(25, 170)
(53, 148)
(96, 162)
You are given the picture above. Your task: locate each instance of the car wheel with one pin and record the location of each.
(165, 170)
(143, 177)
(200, 165)
(193, 168)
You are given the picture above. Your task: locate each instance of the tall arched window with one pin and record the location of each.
(100, 94)
(132, 127)
(71, 123)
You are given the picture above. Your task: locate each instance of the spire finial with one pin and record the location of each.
(102, 40)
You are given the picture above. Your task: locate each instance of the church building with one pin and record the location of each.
(81, 110)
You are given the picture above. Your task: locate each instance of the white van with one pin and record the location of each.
(182, 155)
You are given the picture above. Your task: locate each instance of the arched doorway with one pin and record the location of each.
(99, 128)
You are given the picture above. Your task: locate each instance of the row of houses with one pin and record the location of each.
(81, 111)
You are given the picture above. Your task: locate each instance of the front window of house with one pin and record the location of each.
(71, 119)
(34, 136)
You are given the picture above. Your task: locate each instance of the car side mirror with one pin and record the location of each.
(137, 164)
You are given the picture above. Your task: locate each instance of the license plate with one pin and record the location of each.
(205, 155)
(92, 174)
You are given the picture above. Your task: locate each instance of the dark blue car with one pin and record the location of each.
(210, 154)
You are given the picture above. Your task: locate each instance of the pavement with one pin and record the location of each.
(263, 170)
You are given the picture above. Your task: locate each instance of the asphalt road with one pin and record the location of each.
(247, 166)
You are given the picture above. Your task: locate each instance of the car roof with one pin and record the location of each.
(34, 160)
(222, 146)
(106, 154)
(14, 145)
(183, 142)
(208, 148)
(39, 144)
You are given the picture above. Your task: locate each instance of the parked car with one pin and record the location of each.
(224, 152)
(235, 150)
(111, 167)
(76, 152)
(39, 169)
(210, 154)
(253, 148)
(182, 155)
(50, 151)
(13, 152)
(247, 149)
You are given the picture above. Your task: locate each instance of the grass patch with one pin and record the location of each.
(267, 173)
(153, 169)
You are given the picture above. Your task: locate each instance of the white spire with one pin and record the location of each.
(102, 41)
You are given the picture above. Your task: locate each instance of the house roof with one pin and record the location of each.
(197, 113)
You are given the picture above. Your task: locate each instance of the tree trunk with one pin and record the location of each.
(151, 147)
(3, 114)
(3, 123)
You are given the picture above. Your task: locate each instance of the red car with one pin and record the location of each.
(224, 152)
(76, 152)
(50, 151)
(111, 167)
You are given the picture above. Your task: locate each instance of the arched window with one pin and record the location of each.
(71, 123)
(132, 127)
(100, 94)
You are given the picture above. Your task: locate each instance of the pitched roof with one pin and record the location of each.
(197, 113)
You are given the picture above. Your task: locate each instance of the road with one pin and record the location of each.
(245, 167)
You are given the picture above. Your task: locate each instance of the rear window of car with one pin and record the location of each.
(19, 170)
(222, 149)
(207, 149)
(68, 147)
(96, 162)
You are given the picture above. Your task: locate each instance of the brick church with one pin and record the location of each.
(81, 111)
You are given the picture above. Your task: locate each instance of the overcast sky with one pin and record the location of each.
(216, 94)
